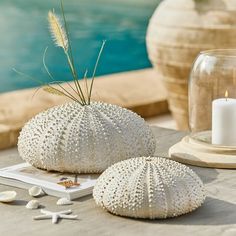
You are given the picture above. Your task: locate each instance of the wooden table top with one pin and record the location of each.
(216, 217)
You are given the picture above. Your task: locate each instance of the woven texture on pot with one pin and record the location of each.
(84, 139)
(149, 187)
(177, 32)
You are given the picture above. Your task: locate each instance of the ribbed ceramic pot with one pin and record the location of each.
(84, 139)
(149, 187)
(177, 32)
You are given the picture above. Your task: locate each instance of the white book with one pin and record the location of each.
(25, 176)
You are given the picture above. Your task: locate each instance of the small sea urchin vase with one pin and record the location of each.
(84, 139)
(149, 187)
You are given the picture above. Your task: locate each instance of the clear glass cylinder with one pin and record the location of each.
(213, 78)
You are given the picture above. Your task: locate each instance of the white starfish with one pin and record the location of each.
(55, 215)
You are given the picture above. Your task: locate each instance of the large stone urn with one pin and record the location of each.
(177, 32)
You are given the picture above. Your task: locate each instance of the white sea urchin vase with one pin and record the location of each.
(149, 187)
(84, 139)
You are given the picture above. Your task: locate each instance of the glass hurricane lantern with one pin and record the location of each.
(212, 112)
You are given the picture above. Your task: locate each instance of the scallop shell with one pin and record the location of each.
(64, 201)
(33, 204)
(7, 196)
(36, 191)
(149, 187)
(84, 139)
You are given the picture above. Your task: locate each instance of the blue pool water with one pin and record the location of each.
(24, 36)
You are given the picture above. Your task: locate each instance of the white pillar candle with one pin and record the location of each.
(224, 121)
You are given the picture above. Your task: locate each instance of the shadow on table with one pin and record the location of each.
(213, 212)
(23, 203)
(18, 203)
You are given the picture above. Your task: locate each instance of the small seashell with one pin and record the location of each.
(33, 204)
(66, 183)
(64, 201)
(7, 196)
(36, 191)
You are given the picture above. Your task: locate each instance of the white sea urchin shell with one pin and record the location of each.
(84, 139)
(149, 187)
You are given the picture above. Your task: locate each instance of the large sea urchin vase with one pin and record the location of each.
(84, 139)
(177, 32)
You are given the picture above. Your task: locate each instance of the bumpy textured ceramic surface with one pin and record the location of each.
(149, 187)
(84, 139)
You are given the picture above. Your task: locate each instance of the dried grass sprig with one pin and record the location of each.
(70, 57)
(57, 31)
(60, 35)
(44, 85)
(95, 69)
(86, 83)
(58, 82)
(54, 23)
(52, 90)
